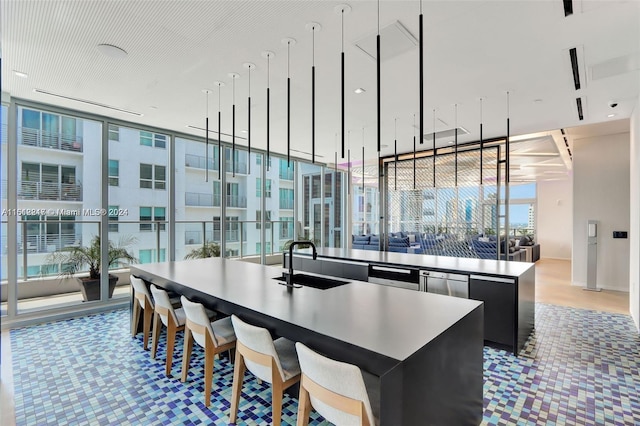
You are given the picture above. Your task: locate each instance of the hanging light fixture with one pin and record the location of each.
(414, 151)
(363, 161)
(220, 85)
(481, 145)
(288, 42)
(506, 173)
(342, 10)
(395, 154)
(206, 137)
(421, 54)
(349, 163)
(233, 76)
(268, 55)
(456, 145)
(250, 66)
(313, 27)
(434, 148)
(378, 79)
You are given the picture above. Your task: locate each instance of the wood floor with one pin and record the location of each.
(553, 286)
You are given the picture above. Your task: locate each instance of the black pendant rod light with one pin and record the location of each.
(233, 76)
(219, 84)
(414, 151)
(349, 162)
(268, 55)
(378, 79)
(363, 161)
(288, 42)
(395, 154)
(433, 156)
(250, 66)
(206, 138)
(421, 54)
(481, 146)
(506, 173)
(455, 147)
(342, 9)
(313, 27)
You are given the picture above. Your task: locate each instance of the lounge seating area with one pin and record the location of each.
(520, 249)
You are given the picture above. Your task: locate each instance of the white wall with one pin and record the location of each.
(634, 229)
(554, 218)
(601, 192)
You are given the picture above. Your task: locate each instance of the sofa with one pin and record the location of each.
(487, 248)
(365, 242)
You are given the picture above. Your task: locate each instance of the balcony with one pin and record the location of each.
(47, 243)
(200, 162)
(42, 139)
(237, 201)
(201, 200)
(241, 167)
(49, 191)
(286, 174)
(286, 204)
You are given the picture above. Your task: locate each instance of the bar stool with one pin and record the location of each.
(215, 337)
(173, 319)
(274, 362)
(334, 389)
(144, 302)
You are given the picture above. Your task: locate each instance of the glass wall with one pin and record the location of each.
(4, 248)
(61, 173)
(59, 200)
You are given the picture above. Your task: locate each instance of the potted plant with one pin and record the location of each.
(73, 260)
(210, 249)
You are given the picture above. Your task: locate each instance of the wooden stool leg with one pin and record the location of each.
(157, 324)
(209, 362)
(276, 400)
(304, 407)
(146, 325)
(186, 354)
(238, 378)
(135, 318)
(171, 340)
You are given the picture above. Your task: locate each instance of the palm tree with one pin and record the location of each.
(210, 249)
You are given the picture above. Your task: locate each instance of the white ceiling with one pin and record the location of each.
(473, 50)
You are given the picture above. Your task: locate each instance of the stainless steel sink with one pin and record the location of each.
(321, 283)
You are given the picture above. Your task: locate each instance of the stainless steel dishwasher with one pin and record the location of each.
(456, 285)
(395, 277)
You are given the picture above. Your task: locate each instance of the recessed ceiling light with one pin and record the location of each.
(21, 74)
(243, 131)
(112, 51)
(611, 115)
(359, 90)
(537, 101)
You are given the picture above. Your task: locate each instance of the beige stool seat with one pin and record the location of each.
(214, 336)
(173, 319)
(272, 361)
(336, 390)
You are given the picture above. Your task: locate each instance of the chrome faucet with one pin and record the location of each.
(295, 243)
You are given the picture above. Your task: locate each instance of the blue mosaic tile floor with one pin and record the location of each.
(581, 367)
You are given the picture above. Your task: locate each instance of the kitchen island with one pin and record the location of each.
(506, 288)
(425, 349)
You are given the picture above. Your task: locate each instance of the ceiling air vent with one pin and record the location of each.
(449, 133)
(568, 7)
(573, 54)
(395, 39)
(579, 106)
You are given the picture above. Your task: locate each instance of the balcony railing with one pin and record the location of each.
(237, 201)
(241, 167)
(286, 174)
(49, 191)
(201, 200)
(286, 204)
(42, 139)
(199, 162)
(48, 243)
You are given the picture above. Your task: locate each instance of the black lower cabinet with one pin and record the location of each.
(499, 297)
